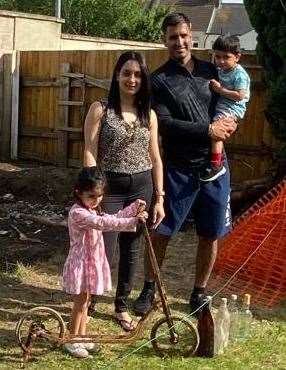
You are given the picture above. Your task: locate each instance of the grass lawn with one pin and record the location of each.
(30, 286)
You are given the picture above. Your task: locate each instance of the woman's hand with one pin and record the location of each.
(158, 214)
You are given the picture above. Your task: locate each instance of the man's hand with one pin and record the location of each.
(222, 128)
(215, 86)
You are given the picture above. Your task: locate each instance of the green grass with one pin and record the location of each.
(36, 285)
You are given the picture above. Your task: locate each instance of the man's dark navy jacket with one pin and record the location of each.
(185, 107)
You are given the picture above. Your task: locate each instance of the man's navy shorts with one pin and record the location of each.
(207, 202)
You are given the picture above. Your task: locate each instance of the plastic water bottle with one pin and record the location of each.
(234, 318)
(222, 324)
(245, 318)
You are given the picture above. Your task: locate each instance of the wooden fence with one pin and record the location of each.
(56, 89)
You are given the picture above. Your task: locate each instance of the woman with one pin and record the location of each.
(122, 138)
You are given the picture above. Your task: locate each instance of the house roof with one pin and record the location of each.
(200, 16)
(231, 19)
(228, 18)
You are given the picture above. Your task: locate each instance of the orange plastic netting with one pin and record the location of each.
(262, 226)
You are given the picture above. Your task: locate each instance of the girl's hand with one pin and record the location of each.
(141, 205)
(142, 216)
(158, 214)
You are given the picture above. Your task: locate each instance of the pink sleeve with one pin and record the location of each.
(129, 211)
(86, 219)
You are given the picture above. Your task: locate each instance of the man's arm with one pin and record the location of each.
(171, 127)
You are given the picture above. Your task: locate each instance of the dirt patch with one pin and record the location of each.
(27, 188)
(31, 181)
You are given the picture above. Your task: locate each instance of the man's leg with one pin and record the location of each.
(213, 220)
(206, 256)
(181, 190)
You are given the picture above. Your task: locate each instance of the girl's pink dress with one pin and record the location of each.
(86, 268)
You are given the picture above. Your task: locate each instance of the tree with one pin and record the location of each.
(269, 20)
(125, 19)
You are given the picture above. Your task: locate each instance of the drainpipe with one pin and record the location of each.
(58, 7)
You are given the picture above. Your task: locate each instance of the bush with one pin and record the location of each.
(269, 20)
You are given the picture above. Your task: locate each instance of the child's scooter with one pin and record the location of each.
(43, 327)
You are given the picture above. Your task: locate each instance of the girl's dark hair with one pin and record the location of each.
(89, 178)
(143, 96)
(174, 19)
(228, 44)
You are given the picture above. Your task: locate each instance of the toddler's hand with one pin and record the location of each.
(215, 85)
(142, 216)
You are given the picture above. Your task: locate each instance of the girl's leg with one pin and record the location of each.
(78, 324)
(79, 310)
(83, 322)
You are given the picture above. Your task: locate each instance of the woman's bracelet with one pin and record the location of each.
(160, 193)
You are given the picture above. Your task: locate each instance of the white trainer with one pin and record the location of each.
(91, 347)
(76, 350)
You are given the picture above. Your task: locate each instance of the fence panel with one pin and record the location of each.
(41, 116)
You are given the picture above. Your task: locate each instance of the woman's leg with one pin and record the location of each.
(129, 243)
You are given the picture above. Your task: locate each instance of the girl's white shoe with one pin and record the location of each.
(76, 350)
(91, 347)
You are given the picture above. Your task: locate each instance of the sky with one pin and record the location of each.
(233, 1)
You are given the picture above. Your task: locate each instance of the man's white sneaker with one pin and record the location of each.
(76, 350)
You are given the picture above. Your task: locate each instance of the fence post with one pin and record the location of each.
(15, 104)
(6, 112)
(63, 121)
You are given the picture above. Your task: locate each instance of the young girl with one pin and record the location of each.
(86, 270)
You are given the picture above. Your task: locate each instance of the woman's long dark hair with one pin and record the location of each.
(143, 96)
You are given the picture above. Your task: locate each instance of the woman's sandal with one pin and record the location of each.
(126, 325)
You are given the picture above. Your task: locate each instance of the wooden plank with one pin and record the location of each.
(15, 104)
(71, 103)
(74, 163)
(7, 96)
(73, 75)
(72, 129)
(103, 83)
(38, 132)
(248, 149)
(26, 82)
(35, 157)
(63, 118)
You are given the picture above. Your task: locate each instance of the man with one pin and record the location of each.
(185, 106)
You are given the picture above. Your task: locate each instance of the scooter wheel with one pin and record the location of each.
(180, 340)
(47, 325)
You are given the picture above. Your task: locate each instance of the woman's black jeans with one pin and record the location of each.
(123, 189)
